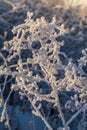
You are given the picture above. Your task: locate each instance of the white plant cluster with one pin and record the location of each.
(34, 57)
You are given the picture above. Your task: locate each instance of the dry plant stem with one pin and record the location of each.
(75, 115)
(10, 3)
(47, 119)
(4, 112)
(32, 120)
(7, 81)
(7, 119)
(40, 97)
(7, 13)
(2, 90)
(4, 85)
(14, 9)
(1, 96)
(59, 108)
(39, 114)
(54, 87)
(4, 59)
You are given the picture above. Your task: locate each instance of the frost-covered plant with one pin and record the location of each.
(33, 58)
